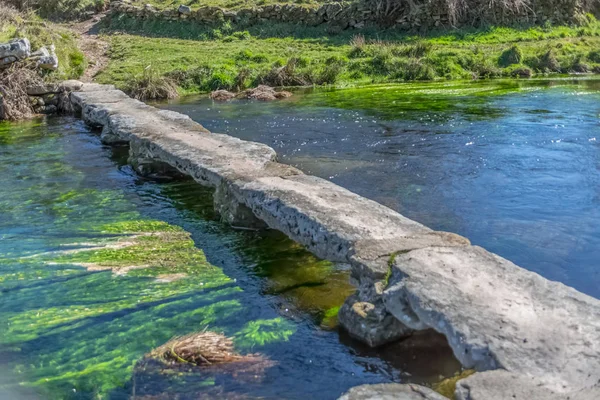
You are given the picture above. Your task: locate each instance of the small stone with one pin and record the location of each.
(70, 86)
(183, 9)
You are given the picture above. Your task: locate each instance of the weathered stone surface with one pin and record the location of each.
(14, 50)
(497, 315)
(391, 391)
(367, 320)
(49, 61)
(42, 89)
(501, 385)
(71, 85)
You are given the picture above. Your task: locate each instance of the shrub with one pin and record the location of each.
(221, 79)
(548, 62)
(418, 50)
(519, 71)
(334, 66)
(242, 35)
(594, 56)
(511, 56)
(151, 86)
(381, 63)
(579, 66)
(78, 64)
(241, 79)
(286, 75)
(484, 68)
(415, 70)
(358, 46)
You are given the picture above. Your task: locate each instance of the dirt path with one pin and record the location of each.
(94, 48)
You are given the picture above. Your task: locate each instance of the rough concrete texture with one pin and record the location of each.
(501, 385)
(493, 313)
(391, 391)
(497, 315)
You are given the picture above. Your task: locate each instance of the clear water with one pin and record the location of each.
(513, 166)
(69, 329)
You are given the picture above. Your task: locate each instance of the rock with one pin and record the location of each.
(183, 9)
(497, 315)
(48, 62)
(70, 86)
(263, 93)
(17, 49)
(42, 89)
(222, 95)
(500, 385)
(391, 391)
(283, 94)
(50, 109)
(370, 323)
(41, 52)
(365, 318)
(6, 61)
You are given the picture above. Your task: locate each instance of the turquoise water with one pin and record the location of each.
(98, 267)
(512, 165)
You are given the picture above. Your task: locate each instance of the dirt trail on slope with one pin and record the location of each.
(94, 48)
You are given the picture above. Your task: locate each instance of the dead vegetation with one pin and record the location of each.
(202, 349)
(14, 101)
(151, 86)
(261, 92)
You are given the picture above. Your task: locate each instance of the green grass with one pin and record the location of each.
(200, 58)
(227, 4)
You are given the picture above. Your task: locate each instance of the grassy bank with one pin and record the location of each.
(40, 33)
(199, 59)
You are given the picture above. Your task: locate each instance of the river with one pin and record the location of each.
(97, 269)
(511, 165)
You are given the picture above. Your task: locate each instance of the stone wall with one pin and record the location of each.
(20, 50)
(401, 14)
(50, 98)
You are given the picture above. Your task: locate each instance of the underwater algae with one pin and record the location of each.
(88, 285)
(87, 333)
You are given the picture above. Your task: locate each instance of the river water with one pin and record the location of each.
(97, 270)
(512, 165)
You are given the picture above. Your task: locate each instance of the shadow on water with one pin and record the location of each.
(68, 330)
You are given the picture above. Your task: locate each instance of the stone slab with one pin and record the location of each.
(391, 391)
(496, 315)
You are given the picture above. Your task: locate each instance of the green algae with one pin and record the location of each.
(70, 330)
(262, 332)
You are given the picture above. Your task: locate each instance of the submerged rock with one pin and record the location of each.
(222, 95)
(263, 93)
(365, 318)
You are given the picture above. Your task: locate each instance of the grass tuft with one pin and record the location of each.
(151, 86)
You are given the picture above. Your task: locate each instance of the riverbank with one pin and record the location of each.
(199, 58)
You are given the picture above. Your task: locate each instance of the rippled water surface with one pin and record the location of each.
(513, 166)
(70, 328)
